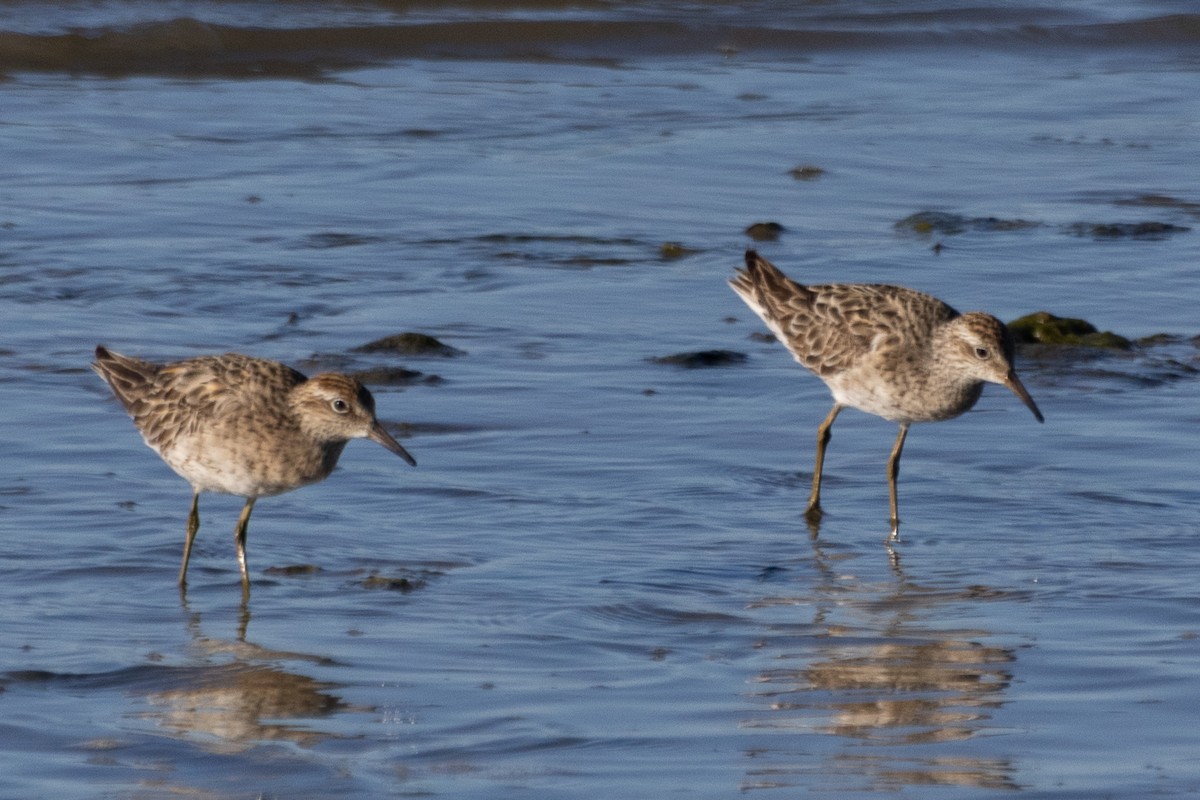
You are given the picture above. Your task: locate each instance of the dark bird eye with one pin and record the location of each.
(339, 406)
(982, 353)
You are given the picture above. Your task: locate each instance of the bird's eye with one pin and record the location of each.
(982, 353)
(339, 406)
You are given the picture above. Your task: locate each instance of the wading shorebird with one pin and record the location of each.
(242, 426)
(886, 350)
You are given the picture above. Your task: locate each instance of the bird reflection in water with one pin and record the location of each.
(869, 669)
(239, 696)
(235, 706)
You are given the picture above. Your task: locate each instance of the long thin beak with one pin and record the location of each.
(378, 434)
(1018, 388)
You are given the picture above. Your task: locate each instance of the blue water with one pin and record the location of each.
(598, 582)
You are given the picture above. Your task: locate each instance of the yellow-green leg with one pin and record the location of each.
(192, 526)
(893, 473)
(813, 512)
(239, 536)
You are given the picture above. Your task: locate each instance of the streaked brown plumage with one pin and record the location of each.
(243, 426)
(890, 351)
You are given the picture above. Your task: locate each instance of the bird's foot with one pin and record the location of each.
(813, 515)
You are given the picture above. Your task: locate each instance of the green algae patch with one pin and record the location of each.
(1042, 327)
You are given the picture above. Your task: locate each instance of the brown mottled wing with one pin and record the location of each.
(172, 400)
(829, 327)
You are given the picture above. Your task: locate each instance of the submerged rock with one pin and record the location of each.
(1161, 201)
(949, 224)
(404, 583)
(410, 344)
(764, 231)
(1042, 327)
(330, 239)
(1159, 339)
(396, 376)
(294, 569)
(670, 251)
(806, 172)
(927, 222)
(702, 358)
(1122, 230)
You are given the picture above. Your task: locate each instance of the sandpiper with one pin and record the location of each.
(886, 350)
(242, 426)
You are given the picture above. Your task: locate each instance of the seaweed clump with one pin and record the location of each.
(1042, 327)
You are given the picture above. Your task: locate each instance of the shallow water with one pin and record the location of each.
(598, 581)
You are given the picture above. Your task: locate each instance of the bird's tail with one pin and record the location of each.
(123, 374)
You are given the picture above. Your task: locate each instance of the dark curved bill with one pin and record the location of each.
(378, 434)
(1018, 388)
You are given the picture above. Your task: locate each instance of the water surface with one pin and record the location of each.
(598, 582)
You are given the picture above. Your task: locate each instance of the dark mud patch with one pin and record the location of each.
(410, 343)
(673, 251)
(405, 430)
(947, 223)
(701, 359)
(1162, 201)
(293, 570)
(328, 240)
(926, 223)
(554, 251)
(1126, 230)
(402, 581)
(765, 231)
(396, 376)
(806, 172)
